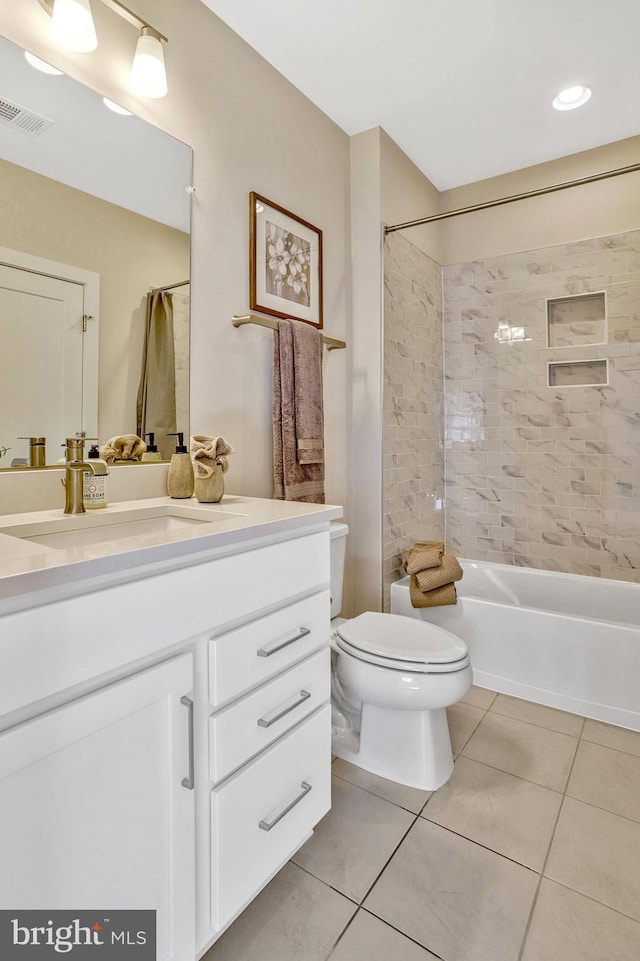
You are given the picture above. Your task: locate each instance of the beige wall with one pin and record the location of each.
(406, 194)
(593, 210)
(250, 129)
(131, 253)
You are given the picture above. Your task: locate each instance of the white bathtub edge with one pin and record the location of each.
(597, 712)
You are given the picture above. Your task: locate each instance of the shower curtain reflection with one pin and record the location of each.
(156, 405)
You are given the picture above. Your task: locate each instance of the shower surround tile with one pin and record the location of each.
(541, 476)
(413, 449)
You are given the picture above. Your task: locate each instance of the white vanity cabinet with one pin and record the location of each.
(96, 807)
(165, 731)
(269, 750)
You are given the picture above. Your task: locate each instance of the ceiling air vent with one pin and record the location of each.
(13, 115)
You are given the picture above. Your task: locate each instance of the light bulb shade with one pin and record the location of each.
(72, 25)
(148, 76)
(41, 65)
(116, 108)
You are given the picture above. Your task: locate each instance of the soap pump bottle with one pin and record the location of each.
(94, 486)
(180, 480)
(152, 453)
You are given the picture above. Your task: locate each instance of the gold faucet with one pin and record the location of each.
(75, 468)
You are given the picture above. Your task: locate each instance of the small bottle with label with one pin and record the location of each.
(94, 486)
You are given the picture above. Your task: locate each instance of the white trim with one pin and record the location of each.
(90, 281)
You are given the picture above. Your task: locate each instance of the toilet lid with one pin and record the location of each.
(401, 638)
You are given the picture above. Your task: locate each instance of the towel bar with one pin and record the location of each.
(238, 320)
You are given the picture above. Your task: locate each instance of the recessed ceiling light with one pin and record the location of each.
(571, 97)
(116, 107)
(41, 65)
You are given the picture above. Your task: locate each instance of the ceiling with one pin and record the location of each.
(464, 87)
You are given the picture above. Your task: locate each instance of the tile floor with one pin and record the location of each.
(531, 852)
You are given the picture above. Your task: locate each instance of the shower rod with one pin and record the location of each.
(183, 283)
(539, 192)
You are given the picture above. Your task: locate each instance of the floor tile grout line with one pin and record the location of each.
(598, 807)
(518, 777)
(493, 767)
(399, 931)
(379, 796)
(343, 932)
(608, 747)
(485, 712)
(544, 727)
(594, 900)
(326, 883)
(388, 861)
(485, 847)
(550, 845)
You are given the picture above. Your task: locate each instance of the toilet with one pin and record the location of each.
(393, 678)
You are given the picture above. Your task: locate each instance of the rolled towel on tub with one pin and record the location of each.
(423, 555)
(448, 571)
(439, 597)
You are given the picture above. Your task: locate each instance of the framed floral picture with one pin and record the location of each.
(285, 263)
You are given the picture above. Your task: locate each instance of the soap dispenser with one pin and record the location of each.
(180, 479)
(94, 486)
(152, 453)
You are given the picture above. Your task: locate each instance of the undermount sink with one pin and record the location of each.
(96, 527)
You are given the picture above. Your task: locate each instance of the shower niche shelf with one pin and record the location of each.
(577, 320)
(578, 373)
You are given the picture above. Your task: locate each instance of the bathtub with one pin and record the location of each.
(564, 640)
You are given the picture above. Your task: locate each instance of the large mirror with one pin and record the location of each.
(94, 267)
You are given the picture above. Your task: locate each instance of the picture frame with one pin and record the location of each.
(285, 263)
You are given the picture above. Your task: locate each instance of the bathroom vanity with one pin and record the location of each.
(164, 707)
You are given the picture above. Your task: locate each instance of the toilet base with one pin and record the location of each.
(410, 747)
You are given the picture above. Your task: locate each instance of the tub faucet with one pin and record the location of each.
(75, 468)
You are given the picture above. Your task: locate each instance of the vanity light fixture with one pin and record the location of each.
(572, 97)
(116, 107)
(148, 75)
(72, 25)
(73, 28)
(41, 65)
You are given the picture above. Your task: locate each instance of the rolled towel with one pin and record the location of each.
(209, 452)
(437, 598)
(422, 555)
(210, 464)
(448, 571)
(123, 447)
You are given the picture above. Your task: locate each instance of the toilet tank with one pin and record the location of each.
(338, 534)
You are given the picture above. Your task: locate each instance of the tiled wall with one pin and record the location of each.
(540, 476)
(413, 402)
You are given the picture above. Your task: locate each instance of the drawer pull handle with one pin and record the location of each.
(189, 782)
(267, 825)
(268, 651)
(267, 722)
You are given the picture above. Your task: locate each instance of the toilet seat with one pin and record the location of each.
(402, 644)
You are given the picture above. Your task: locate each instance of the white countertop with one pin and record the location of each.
(27, 566)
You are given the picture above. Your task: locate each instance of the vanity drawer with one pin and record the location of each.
(244, 658)
(242, 730)
(261, 815)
